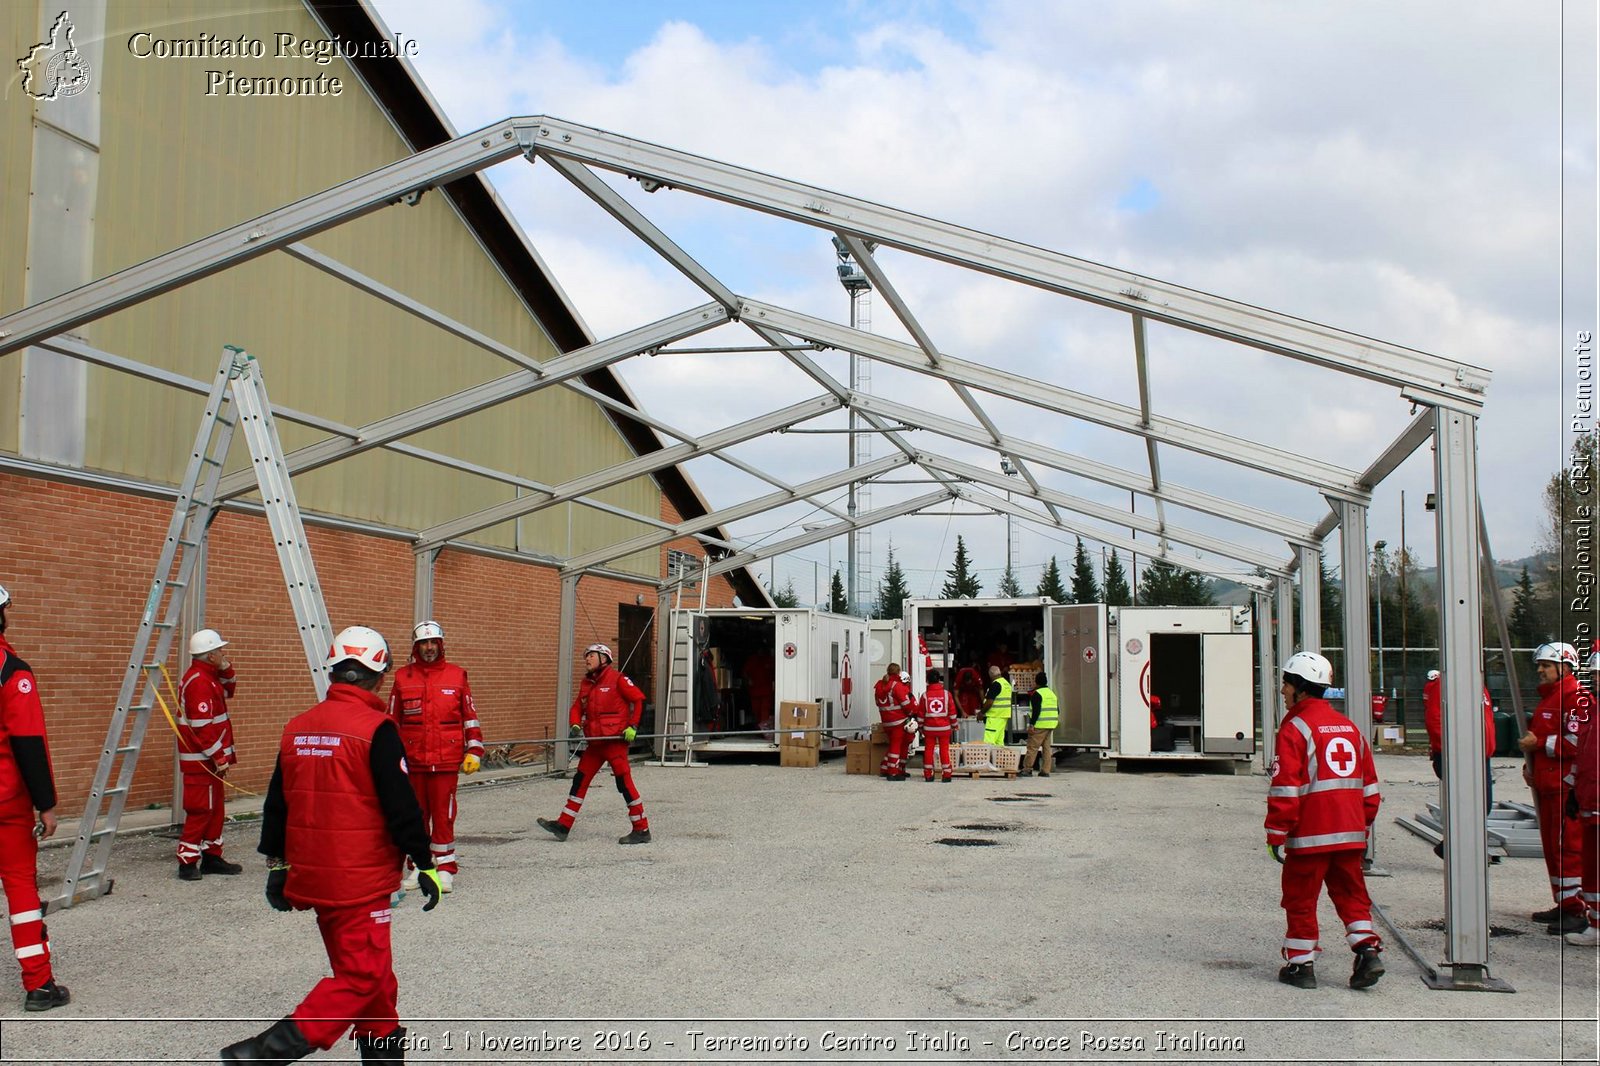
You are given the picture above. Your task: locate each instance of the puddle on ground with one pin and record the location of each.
(986, 827)
(966, 842)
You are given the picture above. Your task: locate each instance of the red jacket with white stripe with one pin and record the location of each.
(25, 773)
(1324, 791)
(205, 735)
(607, 703)
(432, 705)
(1563, 716)
(937, 710)
(893, 698)
(1433, 718)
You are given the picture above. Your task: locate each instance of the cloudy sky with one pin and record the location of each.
(1410, 170)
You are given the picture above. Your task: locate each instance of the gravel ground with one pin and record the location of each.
(1085, 917)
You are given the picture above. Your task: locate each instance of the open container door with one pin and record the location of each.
(1077, 649)
(1228, 663)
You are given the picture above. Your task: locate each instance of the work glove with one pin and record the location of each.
(575, 733)
(428, 883)
(1572, 803)
(629, 733)
(470, 764)
(1277, 851)
(276, 880)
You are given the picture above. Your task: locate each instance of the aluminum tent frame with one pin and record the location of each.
(1450, 393)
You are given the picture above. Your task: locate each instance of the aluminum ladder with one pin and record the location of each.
(681, 666)
(237, 400)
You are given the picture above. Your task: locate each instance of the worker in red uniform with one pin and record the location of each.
(338, 820)
(938, 717)
(1557, 726)
(26, 785)
(1433, 722)
(432, 704)
(607, 713)
(1583, 803)
(893, 697)
(205, 751)
(1320, 809)
(969, 691)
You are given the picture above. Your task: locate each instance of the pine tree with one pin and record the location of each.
(1050, 583)
(1085, 589)
(893, 592)
(963, 583)
(1568, 609)
(1332, 606)
(836, 601)
(1524, 619)
(1009, 588)
(787, 597)
(1118, 594)
(1165, 585)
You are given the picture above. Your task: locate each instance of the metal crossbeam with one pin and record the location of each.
(1447, 381)
(614, 475)
(1326, 477)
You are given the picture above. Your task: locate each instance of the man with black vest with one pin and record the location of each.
(339, 818)
(1041, 728)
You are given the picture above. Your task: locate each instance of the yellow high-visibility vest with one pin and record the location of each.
(1047, 709)
(1001, 707)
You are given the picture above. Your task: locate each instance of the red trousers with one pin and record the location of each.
(894, 761)
(935, 751)
(1303, 878)
(1591, 871)
(436, 794)
(203, 812)
(363, 991)
(1562, 838)
(614, 752)
(19, 853)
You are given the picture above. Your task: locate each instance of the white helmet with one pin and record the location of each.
(429, 630)
(1594, 649)
(905, 678)
(1556, 653)
(365, 646)
(205, 640)
(1433, 675)
(1309, 666)
(5, 597)
(602, 649)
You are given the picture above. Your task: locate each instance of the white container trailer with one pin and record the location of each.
(760, 658)
(1104, 663)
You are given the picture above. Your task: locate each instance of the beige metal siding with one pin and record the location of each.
(177, 165)
(18, 33)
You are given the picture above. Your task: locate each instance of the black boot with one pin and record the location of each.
(189, 871)
(47, 996)
(390, 1048)
(554, 828)
(1299, 974)
(1368, 967)
(216, 864)
(282, 1044)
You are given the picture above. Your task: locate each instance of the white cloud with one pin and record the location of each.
(1387, 168)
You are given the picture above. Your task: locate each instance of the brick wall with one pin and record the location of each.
(78, 562)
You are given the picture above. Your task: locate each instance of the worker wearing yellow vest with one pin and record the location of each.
(996, 707)
(1041, 728)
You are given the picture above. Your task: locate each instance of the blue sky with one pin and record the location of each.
(1393, 169)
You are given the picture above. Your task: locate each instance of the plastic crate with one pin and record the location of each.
(1007, 760)
(974, 756)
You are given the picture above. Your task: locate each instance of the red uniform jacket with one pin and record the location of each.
(893, 698)
(1324, 791)
(1560, 721)
(1432, 718)
(1584, 776)
(337, 842)
(608, 702)
(205, 734)
(969, 691)
(26, 780)
(432, 705)
(937, 710)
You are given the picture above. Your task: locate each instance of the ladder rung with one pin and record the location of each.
(126, 750)
(96, 835)
(163, 625)
(116, 791)
(210, 461)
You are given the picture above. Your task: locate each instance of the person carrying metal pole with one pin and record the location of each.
(205, 751)
(1555, 730)
(338, 820)
(1320, 808)
(432, 704)
(606, 711)
(26, 786)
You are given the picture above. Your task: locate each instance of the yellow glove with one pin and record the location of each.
(470, 764)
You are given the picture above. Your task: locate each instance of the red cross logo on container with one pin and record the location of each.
(1341, 756)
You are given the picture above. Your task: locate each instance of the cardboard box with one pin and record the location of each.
(858, 757)
(880, 752)
(1391, 737)
(798, 755)
(797, 725)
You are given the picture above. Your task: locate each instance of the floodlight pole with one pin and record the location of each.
(855, 282)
